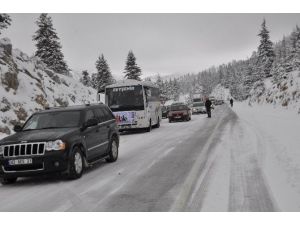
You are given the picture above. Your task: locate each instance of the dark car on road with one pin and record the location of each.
(179, 111)
(63, 140)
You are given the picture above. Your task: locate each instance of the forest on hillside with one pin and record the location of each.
(242, 77)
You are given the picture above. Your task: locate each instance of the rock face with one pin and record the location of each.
(27, 85)
(285, 93)
(10, 77)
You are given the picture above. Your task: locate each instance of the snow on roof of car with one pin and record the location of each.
(131, 82)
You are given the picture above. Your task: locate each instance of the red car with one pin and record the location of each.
(179, 112)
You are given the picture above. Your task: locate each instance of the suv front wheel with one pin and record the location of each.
(76, 164)
(113, 151)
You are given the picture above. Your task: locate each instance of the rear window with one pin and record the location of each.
(108, 114)
(103, 114)
(178, 107)
(198, 104)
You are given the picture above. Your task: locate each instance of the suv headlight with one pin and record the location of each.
(1, 150)
(55, 145)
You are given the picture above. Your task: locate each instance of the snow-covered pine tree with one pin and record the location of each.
(85, 79)
(132, 70)
(5, 21)
(295, 49)
(159, 82)
(48, 45)
(103, 76)
(94, 81)
(265, 51)
(176, 90)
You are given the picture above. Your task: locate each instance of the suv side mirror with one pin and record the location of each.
(17, 128)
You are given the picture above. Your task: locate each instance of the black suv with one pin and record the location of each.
(62, 140)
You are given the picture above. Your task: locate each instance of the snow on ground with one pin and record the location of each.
(277, 131)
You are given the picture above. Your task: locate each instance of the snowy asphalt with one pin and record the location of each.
(200, 165)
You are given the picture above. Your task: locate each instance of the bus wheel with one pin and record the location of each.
(150, 127)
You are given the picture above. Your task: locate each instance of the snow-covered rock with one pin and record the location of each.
(27, 85)
(285, 93)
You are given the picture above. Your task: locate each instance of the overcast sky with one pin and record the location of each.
(162, 43)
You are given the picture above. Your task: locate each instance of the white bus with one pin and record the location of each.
(135, 104)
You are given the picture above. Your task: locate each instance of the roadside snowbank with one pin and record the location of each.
(278, 129)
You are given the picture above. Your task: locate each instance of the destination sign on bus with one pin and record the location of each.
(122, 89)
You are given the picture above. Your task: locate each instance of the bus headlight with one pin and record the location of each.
(55, 145)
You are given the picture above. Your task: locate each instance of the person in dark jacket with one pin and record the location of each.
(231, 102)
(208, 107)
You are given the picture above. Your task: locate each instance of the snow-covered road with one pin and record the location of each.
(206, 164)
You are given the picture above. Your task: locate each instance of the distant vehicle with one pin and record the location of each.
(135, 104)
(219, 102)
(165, 111)
(63, 140)
(198, 107)
(197, 98)
(179, 112)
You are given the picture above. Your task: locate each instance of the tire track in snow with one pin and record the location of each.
(248, 188)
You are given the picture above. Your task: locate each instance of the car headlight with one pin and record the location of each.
(1, 150)
(55, 145)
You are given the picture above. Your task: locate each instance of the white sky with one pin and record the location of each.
(162, 43)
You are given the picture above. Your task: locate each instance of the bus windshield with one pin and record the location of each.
(125, 98)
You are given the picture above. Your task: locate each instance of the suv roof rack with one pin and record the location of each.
(86, 104)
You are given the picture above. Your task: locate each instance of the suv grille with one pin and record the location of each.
(28, 149)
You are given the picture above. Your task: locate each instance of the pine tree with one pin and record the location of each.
(94, 80)
(48, 45)
(5, 21)
(295, 49)
(265, 51)
(132, 70)
(103, 76)
(85, 79)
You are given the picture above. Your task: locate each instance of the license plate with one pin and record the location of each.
(177, 117)
(15, 162)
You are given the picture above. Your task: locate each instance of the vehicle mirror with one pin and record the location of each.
(17, 128)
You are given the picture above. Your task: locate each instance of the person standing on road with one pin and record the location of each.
(231, 102)
(208, 107)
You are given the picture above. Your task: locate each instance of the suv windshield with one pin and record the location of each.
(49, 120)
(178, 107)
(125, 98)
(198, 104)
